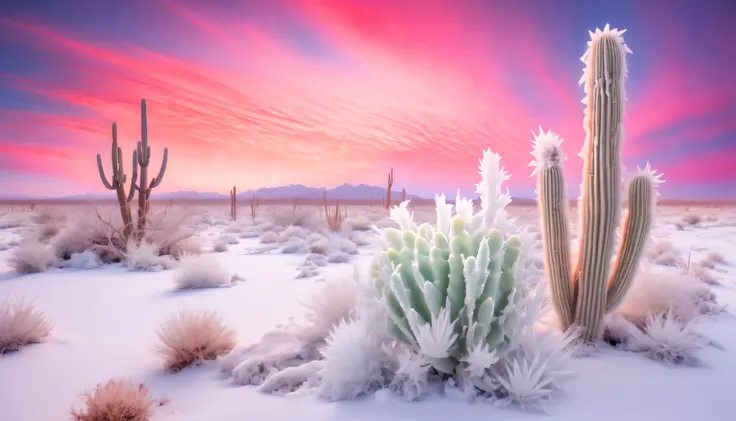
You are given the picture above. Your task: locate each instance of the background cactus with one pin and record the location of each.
(388, 189)
(118, 182)
(144, 158)
(234, 203)
(582, 296)
(446, 288)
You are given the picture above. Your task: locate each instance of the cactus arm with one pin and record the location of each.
(556, 242)
(116, 169)
(134, 179)
(634, 236)
(103, 177)
(160, 177)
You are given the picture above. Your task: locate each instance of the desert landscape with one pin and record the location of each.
(287, 267)
(135, 301)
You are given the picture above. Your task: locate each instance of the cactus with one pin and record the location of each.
(234, 204)
(334, 219)
(446, 288)
(118, 182)
(583, 295)
(388, 190)
(144, 157)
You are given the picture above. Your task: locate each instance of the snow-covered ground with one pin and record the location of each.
(105, 322)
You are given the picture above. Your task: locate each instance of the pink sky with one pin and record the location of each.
(326, 92)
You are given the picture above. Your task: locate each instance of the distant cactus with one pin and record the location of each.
(583, 296)
(144, 157)
(234, 204)
(118, 182)
(388, 190)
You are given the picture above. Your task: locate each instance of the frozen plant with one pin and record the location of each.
(146, 256)
(21, 324)
(201, 271)
(664, 338)
(116, 400)
(32, 258)
(191, 337)
(84, 260)
(583, 294)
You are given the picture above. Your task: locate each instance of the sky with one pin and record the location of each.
(257, 93)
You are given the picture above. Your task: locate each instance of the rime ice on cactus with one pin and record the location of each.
(583, 296)
(446, 289)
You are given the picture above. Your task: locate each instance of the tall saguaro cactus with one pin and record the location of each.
(118, 182)
(144, 157)
(582, 296)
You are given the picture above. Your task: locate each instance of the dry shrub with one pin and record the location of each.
(305, 218)
(32, 258)
(692, 219)
(49, 215)
(201, 271)
(146, 257)
(190, 337)
(21, 324)
(682, 295)
(115, 401)
(102, 232)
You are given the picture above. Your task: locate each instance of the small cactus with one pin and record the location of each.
(583, 295)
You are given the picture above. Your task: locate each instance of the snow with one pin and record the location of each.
(105, 321)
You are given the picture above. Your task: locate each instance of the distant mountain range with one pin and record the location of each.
(294, 191)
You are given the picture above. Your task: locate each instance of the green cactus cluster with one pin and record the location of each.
(455, 284)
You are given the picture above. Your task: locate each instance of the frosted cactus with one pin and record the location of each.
(582, 296)
(446, 288)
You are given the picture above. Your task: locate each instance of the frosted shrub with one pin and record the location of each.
(32, 258)
(460, 300)
(667, 339)
(21, 324)
(116, 400)
(331, 303)
(201, 271)
(692, 219)
(656, 293)
(84, 260)
(191, 337)
(146, 257)
(294, 231)
(270, 237)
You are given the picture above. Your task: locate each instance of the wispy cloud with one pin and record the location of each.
(323, 92)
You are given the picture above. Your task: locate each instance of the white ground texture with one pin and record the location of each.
(105, 320)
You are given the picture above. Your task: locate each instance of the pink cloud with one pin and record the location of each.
(421, 89)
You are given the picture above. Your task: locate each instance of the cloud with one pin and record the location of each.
(342, 93)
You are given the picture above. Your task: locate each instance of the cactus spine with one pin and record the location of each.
(582, 296)
(388, 191)
(144, 157)
(118, 182)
